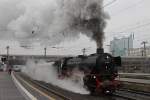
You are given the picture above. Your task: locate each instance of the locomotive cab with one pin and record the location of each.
(103, 74)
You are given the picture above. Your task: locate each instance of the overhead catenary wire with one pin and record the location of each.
(130, 25)
(127, 8)
(108, 4)
(130, 30)
(136, 27)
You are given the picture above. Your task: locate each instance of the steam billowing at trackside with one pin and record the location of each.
(52, 21)
(46, 72)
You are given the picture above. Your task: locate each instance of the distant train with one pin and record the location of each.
(100, 70)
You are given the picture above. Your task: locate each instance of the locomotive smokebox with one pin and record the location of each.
(100, 50)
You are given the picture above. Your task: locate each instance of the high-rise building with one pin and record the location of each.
(120, 47)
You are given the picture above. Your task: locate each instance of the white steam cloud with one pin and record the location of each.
(52, 21)
(46, 72)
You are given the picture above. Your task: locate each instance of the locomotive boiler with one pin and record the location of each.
(100, 70)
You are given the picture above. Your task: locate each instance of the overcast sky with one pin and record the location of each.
(129, 16)
(126, 17)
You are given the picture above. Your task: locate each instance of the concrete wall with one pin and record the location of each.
(135, 64)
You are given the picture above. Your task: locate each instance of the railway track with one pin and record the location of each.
(38, 84)
(122, 94)
(132, 95)
(137, 92)
(122, 97)
(51, 91)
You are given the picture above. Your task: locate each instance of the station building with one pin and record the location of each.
(135, 52)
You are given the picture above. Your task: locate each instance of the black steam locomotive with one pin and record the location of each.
(100, 70)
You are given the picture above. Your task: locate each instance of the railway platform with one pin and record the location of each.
(8, 90)
(15, 88)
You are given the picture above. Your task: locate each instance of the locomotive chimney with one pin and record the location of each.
(100, 50)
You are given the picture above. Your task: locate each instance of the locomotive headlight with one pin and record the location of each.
(107, 91)
(94, 76)
(107, 57)
(106, 67)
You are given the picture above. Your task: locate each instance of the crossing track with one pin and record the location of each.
(136, 92)
(122, 97)
(132, 95)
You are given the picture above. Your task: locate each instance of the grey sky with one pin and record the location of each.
(125, 16)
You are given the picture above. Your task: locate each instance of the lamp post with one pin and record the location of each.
(83, 50)
(144, 44)
(7, 61)
(7, 52)
(45, 50)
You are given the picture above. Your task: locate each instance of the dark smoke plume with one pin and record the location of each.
(53, 21)
(91, 20)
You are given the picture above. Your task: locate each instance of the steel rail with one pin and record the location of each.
(136, 92)
(50, 90)
(46, 88)
(123, 96)
(132, 95)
